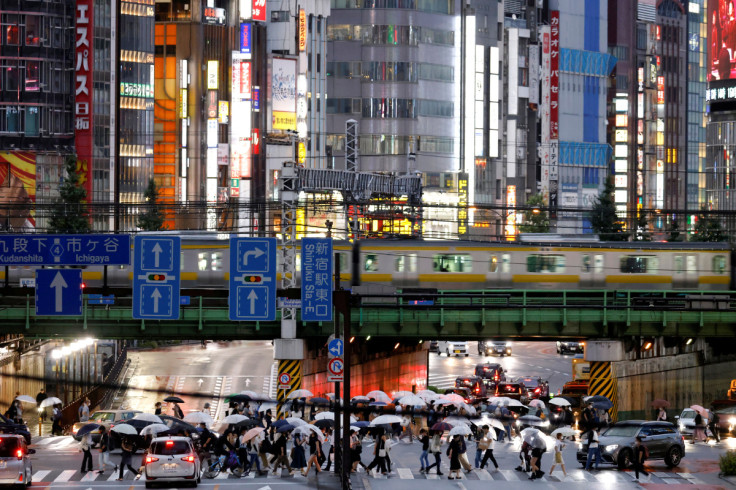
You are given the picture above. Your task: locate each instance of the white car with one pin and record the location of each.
(172, 459)
(452, 348)
(15, 465)
(686, 421)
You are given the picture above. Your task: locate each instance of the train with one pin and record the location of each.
(385, 266)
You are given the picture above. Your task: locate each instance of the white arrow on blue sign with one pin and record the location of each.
(156, 278)
(59, 292)
(335, 348)
(252, 279)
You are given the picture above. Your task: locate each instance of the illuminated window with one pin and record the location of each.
(494, 263)
(719, 264)
(545, 264)
(639, 264)
(371, 263)
(406, 263)
(452, 263)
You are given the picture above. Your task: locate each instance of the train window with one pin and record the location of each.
(585, 267)
(406, 263)
(545, 264)
(209, 261)
(691, 264)
(298, 262)
(344, 260)
(452, 263)
(505, 263)
(639, 264)
(598, 264)
(371, 263)
(216, 264)
(719, 264)
(678, 264)
(494, 263)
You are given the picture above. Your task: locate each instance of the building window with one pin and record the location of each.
(33, 30)
(280, 16)
(32, 76)
(12, 29)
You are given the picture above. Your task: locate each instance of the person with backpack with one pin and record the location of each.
(126, 458)
(435, 448)
(279, 448)
(641, 453)
(594, 450)
(264, 449)
(104, 458)
(56, 421)
(424, 457)
(85, 446)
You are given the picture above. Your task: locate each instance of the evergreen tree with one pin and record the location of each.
(603, 218)
(535, 220)
(708, 229)
(641, 234)
(674, 232)
(70, 215)
(152, 219)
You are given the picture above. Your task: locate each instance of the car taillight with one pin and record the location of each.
(151, 459)
(538, 390)
(477, 389)
(189, 459)
(169, 443)
(19, 454)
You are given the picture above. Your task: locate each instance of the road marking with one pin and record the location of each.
(44, 442)
(434, 476)
(65, 475)
(405, 473)
(222, 476)
(115, 474)
(89, 476)
(39, 475)
(483, 474)
(510, 475)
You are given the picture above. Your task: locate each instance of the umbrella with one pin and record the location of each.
(252, 433)
(597, 398)
(148, 417)
(386, 419)
(461, 430)
(412, 400)
(361, 424)
(154, 429)
(453, 397)
(26, 399)
(469, 409)
(378, 396)
(234, 418)
(496, 424)
(377, 404)
(427, 395)
(266, 406)
(536, 403)
(300, 394)
(87, 428)
(50, 401)
(531, 420)
(319, 401)
(360, 399)
(448, 402)
(253, 395)
(529, 433)
(560, 402)
(660, 403)
(441, 426)
(455, 421)
(198, 418)
(173, 399)
(125, 429)
(247, 423)
(324, 423)
(401, 394)
(699, 409)
(285, 428)
(295, 421)
(238, 397)
(565, 431)
(307, 428)
(280, 423)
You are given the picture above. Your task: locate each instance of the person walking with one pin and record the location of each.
(559, 446)
(454, 454)
(424, 457)
(279, 447)
(178, 413)
(18, 412)
(486, 442)
(379, 455)
(56, 421)
(640, 456)
(315, 454)
(83, 411)
(264, 449)
(713, 422)
(104, 458)
(298, 459)
(464, 455)
(661, 415)
(126, 458)
(594, 451)
(251, 450)
(536, 461)
(356, 448)
(157, 408)
(435, 447)
(85, 446)
(41, 396)
(699, 429)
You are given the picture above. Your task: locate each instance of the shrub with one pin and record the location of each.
(728, 463)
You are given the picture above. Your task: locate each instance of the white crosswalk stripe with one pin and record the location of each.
(65, 476)
(483, 474)
(40, 475)
(90, 476)
(511, 475)
(405, 473)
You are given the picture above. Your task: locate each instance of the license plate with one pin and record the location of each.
(457, 352)
(170, 466)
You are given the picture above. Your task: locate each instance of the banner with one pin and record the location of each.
(83, 110)
(18, 187)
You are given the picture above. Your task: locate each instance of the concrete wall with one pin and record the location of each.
(30, 364)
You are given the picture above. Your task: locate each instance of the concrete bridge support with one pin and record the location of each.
(601, 354)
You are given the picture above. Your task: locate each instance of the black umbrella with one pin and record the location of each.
(285, 428)
(86, 429)
(174, 399)
(319, 401)
(238, 398)
(249, 423)
(324, 423)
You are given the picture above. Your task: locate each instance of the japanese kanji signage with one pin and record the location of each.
(83, 111)
(64, 249)
(259, 10)
(316, 279)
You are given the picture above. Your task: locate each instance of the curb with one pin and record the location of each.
(729, 479)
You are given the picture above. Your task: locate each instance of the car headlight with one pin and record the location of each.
(508, 344)
(732, 421)
(682, 427)
(611, 448)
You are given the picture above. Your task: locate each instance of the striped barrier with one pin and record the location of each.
(289, 380)
(603, 383)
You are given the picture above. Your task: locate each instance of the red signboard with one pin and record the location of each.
(245, 89)
(554, 79)
(660, 90)
(256, 141)
(259, 10)
(83, 112)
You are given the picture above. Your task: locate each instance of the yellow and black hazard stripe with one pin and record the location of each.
(294, 369)
(603, 383)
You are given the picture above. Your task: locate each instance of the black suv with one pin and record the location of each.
(7, 426)
(492, 372)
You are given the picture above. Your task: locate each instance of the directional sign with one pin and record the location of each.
(316, 279)
(65, 249)
(252, 279)
(335, 348)
(59, 292)
(335, 370)
(156, 278)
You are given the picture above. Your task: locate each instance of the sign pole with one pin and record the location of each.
(336, 447)
(343, 300)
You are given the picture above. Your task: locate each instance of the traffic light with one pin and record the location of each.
(156, 277)
(252, 279)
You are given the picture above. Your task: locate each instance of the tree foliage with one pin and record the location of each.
(152, 218)
(71, 214)
(674, 232)
(708, 229)
(603, 218)
(535, 219)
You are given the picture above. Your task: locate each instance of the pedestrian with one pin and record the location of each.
(264, 449)
(641, 453)
(587, 418)
(104, 458)
(464, 455)
(18, 412)
(379, 455)
(478, 449)
(525, 457)
(536, 462)
(279, 447)
(559, 446)
(40, 397)
(126, 458)
(406, 422)
(435, 448)
(594, 451)
(424, 457)
(56, 421)
(298, 460)
(713, 422)
(252, 451)
(486, 442)
(330, 437)
(267, 419)
(12, 410)
(698, 429)
(661, 415)
(85, 447)
(315, 454)
(453, 452)
(178, 413)
(83, 411)
(157, 408)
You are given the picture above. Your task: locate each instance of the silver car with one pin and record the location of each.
(15, 465)
(686, 421)
(172, 459)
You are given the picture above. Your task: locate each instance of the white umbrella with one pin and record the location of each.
(565, 431)
(198, 418)
(427, 395)
(442, 401)
(233, 418)
(252, 394)
(560, 402)
(514, 403)
(126, 429)
(50, 401)
(529, 433)
(266, 406)
(148, 417)
(331, 416)
(154, 429)
(412, 400)
(453, 397)
(496, 424)
(295, 421)
(462, 430)
(300, 394)
(307, 428)
(401, 394)
(455, 421)
(378, 396)
(469, 409)
(386, 419)
(532, 420)
(537, 403)
(26, 399)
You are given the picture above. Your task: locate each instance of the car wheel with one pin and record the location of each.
(447, 352)
(624, 459)
(149, 485)
(673, 456)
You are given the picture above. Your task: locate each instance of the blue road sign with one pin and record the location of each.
(156, 278)
(335, 347)
(316, 279)
(59, 292)
(99, 299)
(65, 250)
(252, 279)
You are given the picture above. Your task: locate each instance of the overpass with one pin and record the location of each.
(462, 315)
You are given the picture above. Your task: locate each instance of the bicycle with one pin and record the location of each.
(220, 464)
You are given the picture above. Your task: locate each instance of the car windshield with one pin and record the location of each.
(687, 414)
(509, 388)
(727, 410)
(102, 417)
(465, 382)
(8, 447)
(529, 382)
(170, 448)
(622, 431)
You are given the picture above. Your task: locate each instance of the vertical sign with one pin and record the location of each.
(256, 141)
(545, 106)
(511, 216)
(245, 38)
(84, 66)
(212, 74)
(245, 87)
(302, 30)
(317, 279)
(554, 79)
(534, 73)
(259, 10)
(462, 204)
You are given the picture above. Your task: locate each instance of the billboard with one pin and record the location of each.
(83, 110)
(554, 74)
(18, 187)
(283, 94)
(721, 67)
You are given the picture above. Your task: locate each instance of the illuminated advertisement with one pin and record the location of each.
(245, 87)
(721, 41)
(245, 38)
(283, 94)
(256, 141)
(511, 218)
(302, 30)
(554, 79)
(258, 12)
(18, 187)
(240, 123)
(83, 124)
(223, 111)
(212, 75)
(213, 15)
(462, 204)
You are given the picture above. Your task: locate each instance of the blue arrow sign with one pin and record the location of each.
(335, 348)
(59, 292)
(252, 279)
(316, 279)
(156, 278)
(65, 249)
